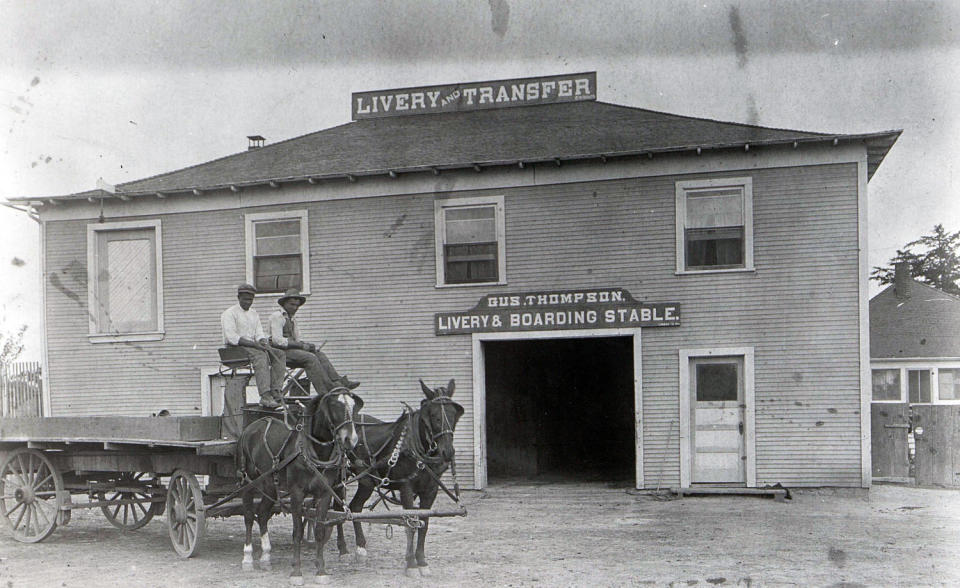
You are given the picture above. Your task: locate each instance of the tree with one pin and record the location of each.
(11, 346)
(937, 265)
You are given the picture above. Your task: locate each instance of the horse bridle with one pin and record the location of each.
(348, 420)
(447, 426)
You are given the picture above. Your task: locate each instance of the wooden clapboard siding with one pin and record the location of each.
(373, 298)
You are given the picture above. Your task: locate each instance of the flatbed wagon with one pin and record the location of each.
(132, 468)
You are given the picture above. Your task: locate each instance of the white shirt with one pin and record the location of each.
(277, 321)
(237, 323)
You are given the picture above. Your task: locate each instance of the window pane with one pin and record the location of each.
(716, 208)
(279, 245)
(919, 386)
(470, 225)
(886, 384)
(471, 263)
(276, 228)
(716, 381)
(130, 286)
(949, 387)
(276, 274)
(714, 247)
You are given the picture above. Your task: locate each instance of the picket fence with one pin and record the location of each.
(21, 389)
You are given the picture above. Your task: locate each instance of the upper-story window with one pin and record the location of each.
(125, 281)
(714, 225)
(277, 251)
(470, 241)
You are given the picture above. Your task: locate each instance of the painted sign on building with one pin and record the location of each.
(603, 308)
(475, 96)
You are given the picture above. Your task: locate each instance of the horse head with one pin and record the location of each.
(334, 415)
(438, 416)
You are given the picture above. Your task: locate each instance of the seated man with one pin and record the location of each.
(284, 334)
(242, 329)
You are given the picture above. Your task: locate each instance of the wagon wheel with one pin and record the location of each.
(185, 513)
(31, 494)
(135, 514)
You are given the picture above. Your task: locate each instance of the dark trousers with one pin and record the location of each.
(321, 372)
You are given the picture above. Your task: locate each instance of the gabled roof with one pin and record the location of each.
(924, 324)
(509, 136)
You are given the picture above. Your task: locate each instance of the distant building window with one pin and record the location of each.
(125, 284)
(949, 385)
(714, 225)
(886, 385)
(470, 241)
(277, 251)
(918, 386)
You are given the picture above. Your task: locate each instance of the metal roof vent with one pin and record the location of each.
(256, 142)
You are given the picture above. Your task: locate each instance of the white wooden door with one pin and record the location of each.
(717, 403)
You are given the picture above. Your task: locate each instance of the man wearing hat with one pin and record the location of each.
(284, 334)
(242, 329)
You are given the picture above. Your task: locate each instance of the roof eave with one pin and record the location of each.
(878, 145)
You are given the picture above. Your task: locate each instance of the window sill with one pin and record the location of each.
(125, 337)
(735, 270)
(276, 294)
(471, 284)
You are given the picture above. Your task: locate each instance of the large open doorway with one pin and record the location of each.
(560, 409)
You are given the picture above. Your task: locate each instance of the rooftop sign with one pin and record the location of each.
(603, 308)
(475, 96)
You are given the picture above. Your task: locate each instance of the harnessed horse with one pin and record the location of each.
(307, 458)
(408, 455)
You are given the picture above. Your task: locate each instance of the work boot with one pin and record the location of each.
(347, 383)
(269, 399)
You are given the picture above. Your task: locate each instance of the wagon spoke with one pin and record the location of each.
(26, 525)
(141, 507)
(22, 474)
(14, 509)
(38, 511)
(45, 480)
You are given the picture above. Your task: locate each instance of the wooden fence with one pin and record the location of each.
(21, 389)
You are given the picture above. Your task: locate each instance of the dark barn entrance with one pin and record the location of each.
(560, 409)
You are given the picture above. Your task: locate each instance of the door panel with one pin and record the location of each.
(717, 403)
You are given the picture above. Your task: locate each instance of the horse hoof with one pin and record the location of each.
(246, 566)
(361, 552)
(412, 572)
(296, 580)
(266, 566)
(425, 571)
(322, 579)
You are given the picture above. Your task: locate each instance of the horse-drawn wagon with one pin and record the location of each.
(136, 468)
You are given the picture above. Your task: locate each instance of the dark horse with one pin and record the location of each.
(307, 458)
(408, 455)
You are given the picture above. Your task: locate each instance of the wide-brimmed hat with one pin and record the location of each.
(249, 289)
(290, 294)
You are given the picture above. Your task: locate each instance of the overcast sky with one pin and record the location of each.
(124, 90)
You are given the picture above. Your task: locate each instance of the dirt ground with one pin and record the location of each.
(556, 535)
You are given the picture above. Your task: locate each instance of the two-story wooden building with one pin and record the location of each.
(618, 292)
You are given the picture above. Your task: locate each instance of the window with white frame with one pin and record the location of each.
(714, 225)
(125, 281)
(949, 384)
(278, 251)
(470, 245)
(886, 385)
(918, 386)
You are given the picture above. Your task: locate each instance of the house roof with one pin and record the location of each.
(926, 323)
(496, 137)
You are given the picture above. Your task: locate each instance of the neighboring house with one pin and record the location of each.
(616, 291)
(915, 343)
